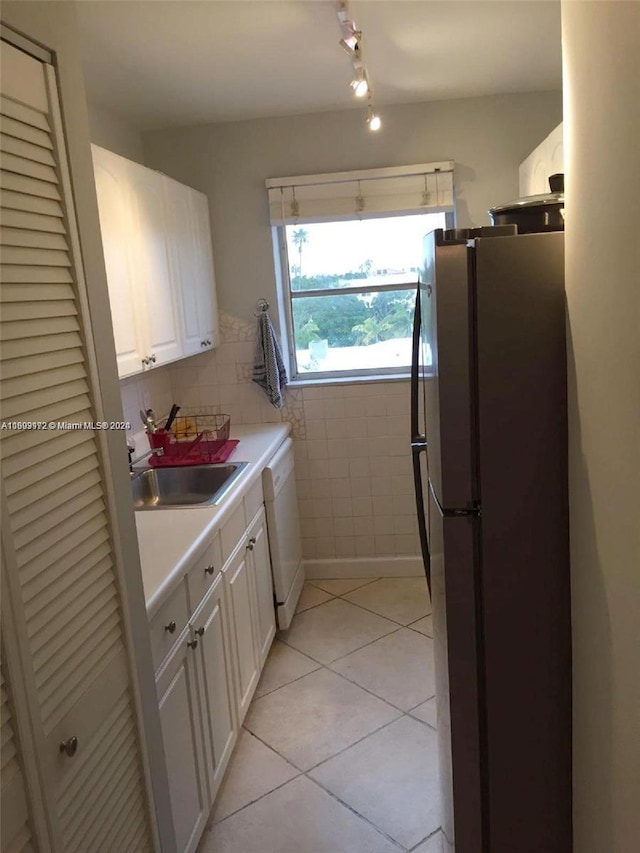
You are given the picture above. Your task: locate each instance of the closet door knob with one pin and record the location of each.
(69, 747)
(210, 570)
(145, 361)
(171, 627)
(199, 631)
(193, 644)
(152, 358)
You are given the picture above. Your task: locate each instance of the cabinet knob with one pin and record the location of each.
(152, 358)
(208, 342)
(210, 570)
(203, 343)
(145, 361)
(193, 644)
(69, 747)
(199, 631)
(171, 627)
(252, 542)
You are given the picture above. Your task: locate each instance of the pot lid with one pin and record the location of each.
(529, 201)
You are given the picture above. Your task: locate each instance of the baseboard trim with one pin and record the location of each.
(364, 567)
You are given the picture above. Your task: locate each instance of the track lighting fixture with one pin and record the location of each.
(373, 119)
(360, 84)
(351, 41)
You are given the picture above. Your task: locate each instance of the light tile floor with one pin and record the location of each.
(338, 750)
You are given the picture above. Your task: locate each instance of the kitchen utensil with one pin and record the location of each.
(152, 420)
(534, 213)
(146, 421)
(172, 414)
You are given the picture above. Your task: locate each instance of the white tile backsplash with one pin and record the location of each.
(351, 443)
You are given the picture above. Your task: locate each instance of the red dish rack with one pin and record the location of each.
(195, 438)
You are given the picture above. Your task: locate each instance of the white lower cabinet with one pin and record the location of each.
(180, 713)
(217, 701)
(206, 678)
(239, 582)
(261, 569)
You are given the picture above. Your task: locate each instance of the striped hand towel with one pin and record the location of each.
(268, 368)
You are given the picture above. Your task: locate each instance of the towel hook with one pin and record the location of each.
(263, 306)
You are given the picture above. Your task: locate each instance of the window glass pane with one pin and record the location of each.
(353, 331)
(358, 252)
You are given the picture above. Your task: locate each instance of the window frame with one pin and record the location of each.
(286, 298)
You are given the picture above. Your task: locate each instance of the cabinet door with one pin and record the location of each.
(238, 579)
(152, 270)
(113, 206)
(261, 565)
(183, 744)
(211, 625)
(206, 289)
(184, 265)
(63, 574)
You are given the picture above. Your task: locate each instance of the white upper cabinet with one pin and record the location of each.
(115, 224)
(157, 246)
(151, 240)
(545, 160)
(192, 265)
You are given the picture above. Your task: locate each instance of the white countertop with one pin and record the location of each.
(169, 539)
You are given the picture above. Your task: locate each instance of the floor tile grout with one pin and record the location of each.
(426, 838)
(266, 794)
(400, 713)
(366, 609)
(368, 582)
(357, 813)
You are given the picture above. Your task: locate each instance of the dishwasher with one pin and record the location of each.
(283, 525)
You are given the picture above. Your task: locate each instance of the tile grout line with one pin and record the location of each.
(357, 813)
(367, 582)
(426, 838)
(343, 597)
(320, 665)
(355, 683)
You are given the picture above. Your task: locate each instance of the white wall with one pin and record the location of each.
(114, 133)
(602, 127)
(487, 137)
(353, 464)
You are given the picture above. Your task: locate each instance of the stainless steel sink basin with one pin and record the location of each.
(193, 485)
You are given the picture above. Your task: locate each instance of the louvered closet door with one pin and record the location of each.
(16, 832)
(61, 575)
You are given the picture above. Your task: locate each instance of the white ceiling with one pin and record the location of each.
(161, 63)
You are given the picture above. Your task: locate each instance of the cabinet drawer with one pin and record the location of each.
(253, 500)
(161, 628)
(232, 532)
(203, 572)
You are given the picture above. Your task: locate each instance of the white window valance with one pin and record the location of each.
(366, 193)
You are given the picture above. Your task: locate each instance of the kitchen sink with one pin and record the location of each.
(192, 485)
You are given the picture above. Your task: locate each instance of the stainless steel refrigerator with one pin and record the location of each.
(489, 444)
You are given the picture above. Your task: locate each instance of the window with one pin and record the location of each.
(352, 292)
(349, 280)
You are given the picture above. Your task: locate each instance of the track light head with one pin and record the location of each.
(350, 43)
(360, 85)
(374, 122)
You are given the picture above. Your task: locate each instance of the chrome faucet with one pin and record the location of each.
(154, 451)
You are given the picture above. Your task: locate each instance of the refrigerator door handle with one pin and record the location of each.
(415, 366)
(418, 441)
(416, 449)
